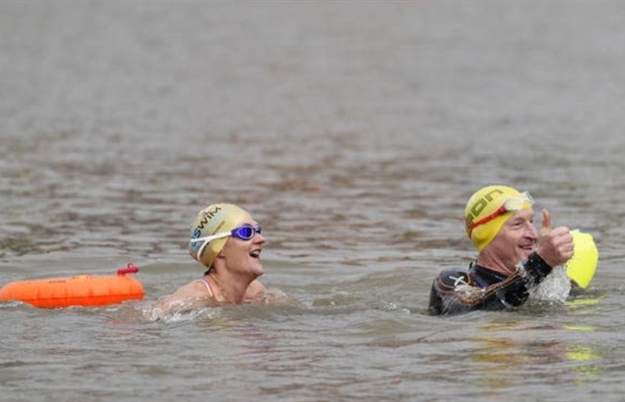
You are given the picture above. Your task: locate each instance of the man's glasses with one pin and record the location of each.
(514, 204)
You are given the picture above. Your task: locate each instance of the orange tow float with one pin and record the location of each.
(81, 290)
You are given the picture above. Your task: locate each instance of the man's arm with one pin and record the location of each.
(452, 292)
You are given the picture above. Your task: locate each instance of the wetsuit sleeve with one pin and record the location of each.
(452, 291)
(445, 298)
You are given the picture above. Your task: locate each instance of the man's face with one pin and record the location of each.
(516, 240)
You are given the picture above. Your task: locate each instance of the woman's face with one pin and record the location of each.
(242, 257)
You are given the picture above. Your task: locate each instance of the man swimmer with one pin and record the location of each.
(513, 257)
(227, 241)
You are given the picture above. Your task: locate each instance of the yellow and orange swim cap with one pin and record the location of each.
(489, 209)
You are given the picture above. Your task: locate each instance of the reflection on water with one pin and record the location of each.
(591, 370)
(354, 133)
(508, 350)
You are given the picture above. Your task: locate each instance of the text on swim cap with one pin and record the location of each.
(480, 204)
(206, 216)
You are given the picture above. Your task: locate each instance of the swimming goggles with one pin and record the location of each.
(513, 204)
(243, 232)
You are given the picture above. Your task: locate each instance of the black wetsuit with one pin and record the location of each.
(480, 288)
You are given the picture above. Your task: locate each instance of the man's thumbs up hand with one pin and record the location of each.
(555, 246)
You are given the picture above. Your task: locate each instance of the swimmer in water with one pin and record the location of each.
(226, 240)
(513, 256)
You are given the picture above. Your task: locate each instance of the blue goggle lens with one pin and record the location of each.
(245, 232)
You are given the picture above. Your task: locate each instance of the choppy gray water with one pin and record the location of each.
(354, 132)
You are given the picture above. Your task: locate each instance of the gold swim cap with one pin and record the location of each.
(215, 218)
(489, 209)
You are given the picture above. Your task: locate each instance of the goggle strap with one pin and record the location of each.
(500, 211)
(208, 239)
(211, 237)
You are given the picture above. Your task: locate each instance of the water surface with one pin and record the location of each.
(354, 133)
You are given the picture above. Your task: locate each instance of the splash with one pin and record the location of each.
(555, 287)
(187, 310)
(11, 304)
(155, 314)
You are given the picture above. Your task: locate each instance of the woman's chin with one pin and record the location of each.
(257, 269)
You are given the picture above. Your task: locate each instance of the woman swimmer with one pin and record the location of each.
(226, 240)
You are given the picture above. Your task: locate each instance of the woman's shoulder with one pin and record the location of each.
(195, 291)
(255, 292)
(199, 288)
